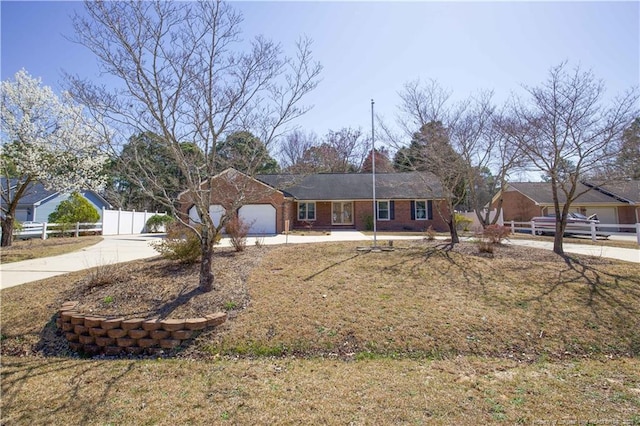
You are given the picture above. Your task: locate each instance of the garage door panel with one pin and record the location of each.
(261, 218)
(216, 211)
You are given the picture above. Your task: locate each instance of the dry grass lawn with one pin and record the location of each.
(34, 248)
(324, 334)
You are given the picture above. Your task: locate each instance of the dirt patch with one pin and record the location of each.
(159, 288)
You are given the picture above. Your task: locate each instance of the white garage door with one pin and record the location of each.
(215, 211)
(260, 217)
(605, 214)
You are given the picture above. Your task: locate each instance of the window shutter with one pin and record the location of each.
(430, 209)
(392, 210)
(413, 210)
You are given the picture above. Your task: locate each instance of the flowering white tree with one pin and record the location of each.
(44, 139)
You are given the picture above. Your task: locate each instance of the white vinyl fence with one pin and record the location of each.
(592, 230)
(120, 222)
(114, 222)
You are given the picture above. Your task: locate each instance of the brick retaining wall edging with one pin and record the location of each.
(113, 336)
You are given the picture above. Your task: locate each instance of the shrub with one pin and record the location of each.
(237, 230)
(74, 209)
(108, 273)
(494, 234)
(368, 222)
(182, 244)
(430, 233)
(158, 222)
(462, 222)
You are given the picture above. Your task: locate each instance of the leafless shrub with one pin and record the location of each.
(495, 234)
(430, 233)
(105, 274)
(237, 230)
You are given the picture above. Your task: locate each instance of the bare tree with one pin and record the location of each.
(293, 148)
(468, 145)
(482, 137)
(350, 147)
(186, 75)
(341, 151)
(565, 120)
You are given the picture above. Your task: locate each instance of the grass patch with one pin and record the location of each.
(461, 391)
(324, 334)
(34, 248)
(429, 301)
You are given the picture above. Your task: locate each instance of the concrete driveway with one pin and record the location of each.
(112, 249)
(124, 248)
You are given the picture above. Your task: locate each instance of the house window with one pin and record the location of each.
(306, 211)
(421, 210)
(383, 210)
(342, 213)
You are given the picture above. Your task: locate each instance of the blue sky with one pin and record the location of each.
(370, 49)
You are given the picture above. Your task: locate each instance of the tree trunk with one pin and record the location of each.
(558, 247)
(453, 231)
(7, 231)
(206, 275)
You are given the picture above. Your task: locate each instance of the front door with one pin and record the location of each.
(342, 213)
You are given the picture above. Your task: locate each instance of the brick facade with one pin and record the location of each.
(517, 207)
(232, 189)
(363, 212)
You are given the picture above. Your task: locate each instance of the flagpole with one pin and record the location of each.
(373, 174)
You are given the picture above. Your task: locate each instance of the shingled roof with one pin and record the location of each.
(356, 186)
(35, 193)
(540, 192)
(627, 190)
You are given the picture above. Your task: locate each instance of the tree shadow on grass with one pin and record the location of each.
(87, 385)
(333, 265)
(602, 285)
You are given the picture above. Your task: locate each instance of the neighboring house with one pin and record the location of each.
(628, 194)
(616, 203)
(405, 201)
(38, 202)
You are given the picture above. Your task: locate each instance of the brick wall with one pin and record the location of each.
(517, 207)
(114, 336)
(627, 214)
(362, 210)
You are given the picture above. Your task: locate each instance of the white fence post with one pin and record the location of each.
(133, 222)
(593, 231)
(533, 228)
(513, 227)
(44, 231)
(77, 229)
(638, 233)
(119, 213)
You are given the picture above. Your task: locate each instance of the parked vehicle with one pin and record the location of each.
(577, 224)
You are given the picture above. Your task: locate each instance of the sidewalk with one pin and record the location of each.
(124, 248)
